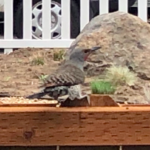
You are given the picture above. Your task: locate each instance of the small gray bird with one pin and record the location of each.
(67, 75)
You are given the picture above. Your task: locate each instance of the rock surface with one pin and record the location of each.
(125, 40)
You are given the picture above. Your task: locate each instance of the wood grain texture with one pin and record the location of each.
(102, 100)
(47, 126)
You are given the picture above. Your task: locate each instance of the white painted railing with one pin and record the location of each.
(46, 42)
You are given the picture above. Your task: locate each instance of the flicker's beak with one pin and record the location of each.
(95, 48)
(90, 51)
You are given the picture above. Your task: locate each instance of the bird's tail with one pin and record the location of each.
(36, 95)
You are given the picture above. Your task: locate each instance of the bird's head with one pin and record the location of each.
(82, 54)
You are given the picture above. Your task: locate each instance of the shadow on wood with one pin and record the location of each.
(75, 103)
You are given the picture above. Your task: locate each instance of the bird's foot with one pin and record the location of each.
(63, 98)
(84, 96)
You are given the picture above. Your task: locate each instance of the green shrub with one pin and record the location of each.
(119, 75)
(102, 87)
(43, 77)
(38, 61)
(58, 55)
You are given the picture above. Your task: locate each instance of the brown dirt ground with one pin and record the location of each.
(20, 77)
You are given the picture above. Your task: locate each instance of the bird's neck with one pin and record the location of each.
(76, 62)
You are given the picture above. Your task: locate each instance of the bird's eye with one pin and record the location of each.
(86, 51)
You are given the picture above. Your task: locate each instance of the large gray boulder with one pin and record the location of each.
(124, 38)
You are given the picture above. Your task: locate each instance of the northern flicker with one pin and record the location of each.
(67, 75)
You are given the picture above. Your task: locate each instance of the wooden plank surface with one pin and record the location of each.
(48, 126)
(28, 105)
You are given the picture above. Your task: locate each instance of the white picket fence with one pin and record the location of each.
(46, 42)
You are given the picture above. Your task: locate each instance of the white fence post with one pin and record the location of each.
(84, 9)
(103, 6)
(123, 5)
(142, 9)
(8, 25)
(46, 19)
(27, 19)
(65, 19)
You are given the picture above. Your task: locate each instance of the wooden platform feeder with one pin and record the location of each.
(32, 125)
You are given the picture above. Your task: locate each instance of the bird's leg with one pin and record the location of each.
(63, 98)
(55, 97)
(84, 96)
(88, 99)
